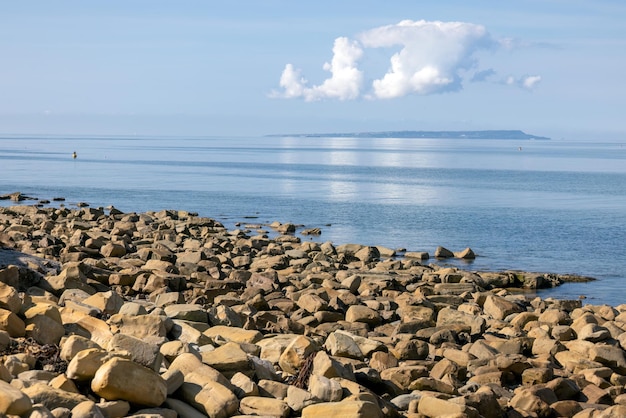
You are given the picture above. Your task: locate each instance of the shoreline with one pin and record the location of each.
(98, 305)
(250, 224)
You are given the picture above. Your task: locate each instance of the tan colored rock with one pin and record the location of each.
(324, 365)
(75, 344)
(86, 326)
(87, 409)
(361, 313)
(9, 298)
(137, 350)
(12, 324)
(183, 409)
(554, 317)
(273, 389)
(129, 381)
(528, 401)
(575, 362)
(499, 308)
(566, 408)
(192, 366)
(410, 350)
(344, 409)
(596, 395)
(593, 333)
(537, 375)
(86, 363)
(44, 329)
(209, 397)
(298, 399)
(273, 346)
(43, 308)
(172, 349)
(434, 407)
(111, 249)
(244, 386)
(138, 326)
(325, 389)
(609, 355)
(296, 352)
(71, 277)
(256, 405)
(187, 312)
(403, 376)
(190, 332)
(462, 358)
(237, 335)
(312, 303)
(449, 316)
(342, 344)
(108, 302)
(62, 382)
(228, 359)
(12, 400)
(381, 360)
(41, 393)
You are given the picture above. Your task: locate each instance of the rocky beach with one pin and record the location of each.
(168, 314)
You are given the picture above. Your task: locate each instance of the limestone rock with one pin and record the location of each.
(41, 393)
(9, 298)
(256, 405)
(129, 381)
(228, 359)
(346, 409)
(12, 400)
(12, 324)
(434, 407)
(295, 353)
(364, 314)
(499, 308)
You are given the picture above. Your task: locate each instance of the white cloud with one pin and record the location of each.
(431, 57)
(292, 82)
(528, 82)
(531, 81)
(344, 83)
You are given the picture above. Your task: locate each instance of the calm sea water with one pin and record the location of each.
(554, 206)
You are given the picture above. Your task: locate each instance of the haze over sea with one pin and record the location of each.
(552, 206)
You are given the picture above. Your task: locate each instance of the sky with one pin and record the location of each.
(246, 68)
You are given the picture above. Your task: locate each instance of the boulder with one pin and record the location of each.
(256, 405)
(126, 380)
(13, 401)
(345, 409)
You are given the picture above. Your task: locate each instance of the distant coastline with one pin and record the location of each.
(495, 134)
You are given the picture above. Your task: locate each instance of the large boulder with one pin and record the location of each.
(126, 380)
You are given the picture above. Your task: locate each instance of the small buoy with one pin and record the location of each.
(74, 155)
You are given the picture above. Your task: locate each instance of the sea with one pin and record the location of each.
(555, 206)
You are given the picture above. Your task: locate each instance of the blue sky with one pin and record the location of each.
(256, 67)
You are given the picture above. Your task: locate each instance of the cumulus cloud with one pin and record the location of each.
(431, 57)
(343, 84)
(425, 58)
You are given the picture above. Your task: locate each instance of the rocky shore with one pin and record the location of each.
(166, 314)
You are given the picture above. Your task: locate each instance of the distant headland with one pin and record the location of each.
(497, 134)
